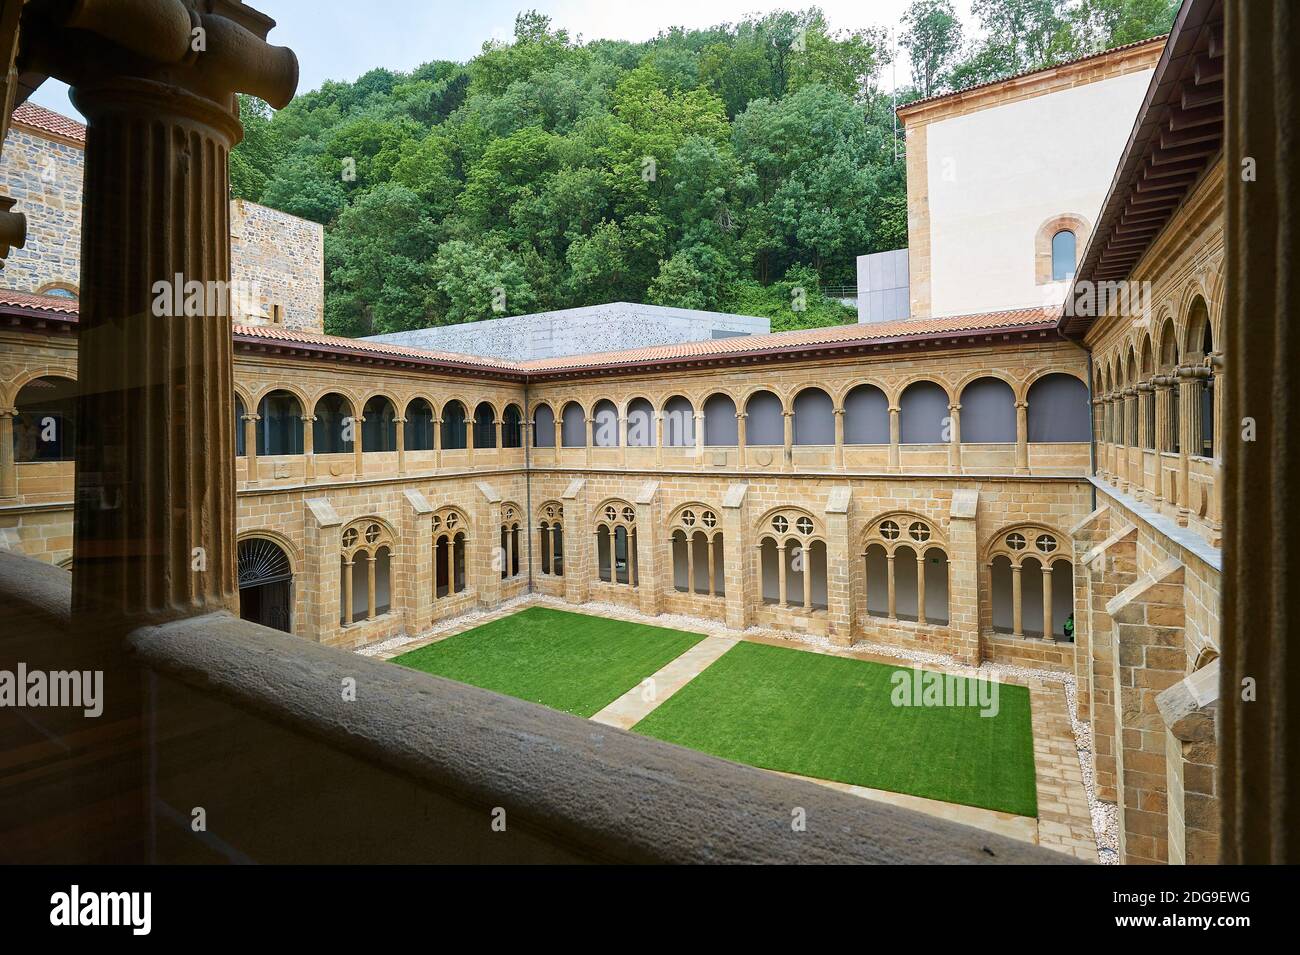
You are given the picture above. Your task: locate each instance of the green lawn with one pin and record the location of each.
(832, 718)
(568, 661)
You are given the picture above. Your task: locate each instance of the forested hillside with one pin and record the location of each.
(739, 168)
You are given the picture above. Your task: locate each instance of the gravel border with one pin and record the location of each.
(1105, 816)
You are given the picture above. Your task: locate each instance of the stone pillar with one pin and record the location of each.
(806, 556)
(415, 571)
(963, 577)
(839, 437)
(788, 441)
(699, 439)
(920, 588)
(401, 444)
(1189, 709)
(713, 584)
(737, 561)
(1111, 567)
(889, 568)
(659, 439)
(894, 458)
(1022, 437)
(358, 445)
(740, 438)
(645, 559)
(437, 444)
(780, 574)
(579, 541)
(1260, 737)
(590, 439)
(250, 447)
(155, 488)
(1017, 615)
(370, 586)
(1047, 602)
(954, 445)
(8, 474)
(1189, 437)
(840, 572)
(308, 447)
(622, 440)
(321, 577)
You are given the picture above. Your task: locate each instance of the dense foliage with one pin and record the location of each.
(739, 168)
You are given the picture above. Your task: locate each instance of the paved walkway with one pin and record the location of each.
(634, 705)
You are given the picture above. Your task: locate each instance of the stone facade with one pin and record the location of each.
(43, 171)
(284, 257)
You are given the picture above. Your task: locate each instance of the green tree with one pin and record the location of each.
(932, 37)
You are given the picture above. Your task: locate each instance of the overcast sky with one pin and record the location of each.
(341, 39)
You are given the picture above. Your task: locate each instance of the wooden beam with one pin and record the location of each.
(1161, 157)
(1200, 116)
(1198, 96)
(1207, 70)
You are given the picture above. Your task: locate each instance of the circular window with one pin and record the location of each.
(629, 515)
(452, 521)
(919, 532)
(805, 525)
(1046, 543)
(349, 537)
(611, 513)
(709, 519)
(688, 518)
(1016, 541)
(372, 533)
(780, 524)
(436, 522)
(889, 530)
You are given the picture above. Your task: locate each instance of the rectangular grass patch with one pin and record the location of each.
(833, 718)
(567, 661)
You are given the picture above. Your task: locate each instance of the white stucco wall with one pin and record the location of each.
(995, 176)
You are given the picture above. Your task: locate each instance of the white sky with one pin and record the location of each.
(341, 39)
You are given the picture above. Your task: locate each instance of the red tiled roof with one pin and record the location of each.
(46, 120)
(1042, 69)
(772, 345)
(777, 342)
(12, 298)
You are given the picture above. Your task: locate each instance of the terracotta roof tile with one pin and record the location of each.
(46, 120)
(774, 343)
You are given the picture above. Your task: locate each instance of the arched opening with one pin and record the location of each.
(988, 412)
(1063, 255)
(877, 581)
(720, 424)
(1031, 597)
(573, 426)
(866, 416)
(265, 584)
(543, 427)
(1002, 597)
(764, 421)
(1059, 409)
(604, 424)
(45, 426)
(449, 564)
(509, 550)
(454, 432)
(1146, 395)
(936, 586)
(551, 547)
(640, 424)
(679, 423)
(814, 418)
(379, 427)
(239, 427)
(1200, 343)
(279, 425)
(485, 426)
(419, 425)
(905, 583)
(333, 430)
(1169, 359)
(512, 427)
(1062, 596)
(769, 570)
(923, 412)
(383, 584)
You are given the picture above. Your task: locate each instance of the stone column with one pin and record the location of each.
(713, 591)
(370, 586)
(740, 438)
(737, 560)
(644, 559)
(1189, 440)
(920, 588)
(437, 444)
(1017, 622)
(401, 444)
(806, 555)
(780, 574)
(8, 475)
(893, 437)
(358, 445)
(346, 583)
(699, 439)
(788, 441)
(954, 445)
(659, 439)
(622, 440)
(1022, 437)
(155, 488)
(839, 437)
(1047, 602)
(893, 601)
(690, 564)
(250, 447)
(308, 447)
(548, 553)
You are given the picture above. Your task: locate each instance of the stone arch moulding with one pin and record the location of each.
(275, 537)
(1043, 243)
